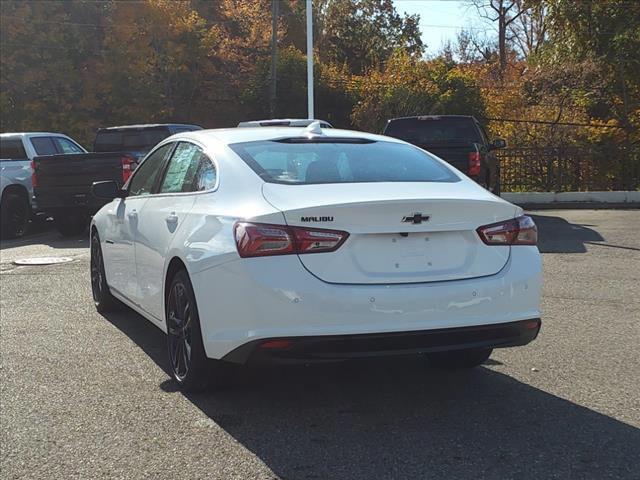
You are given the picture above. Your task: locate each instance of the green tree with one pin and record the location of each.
(332, 100)
(414, 87)
(605, 33)
(364, 33)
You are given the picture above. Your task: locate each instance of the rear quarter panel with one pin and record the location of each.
(16, 172)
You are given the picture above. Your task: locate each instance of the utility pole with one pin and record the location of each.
(274, 58)
(310, 113)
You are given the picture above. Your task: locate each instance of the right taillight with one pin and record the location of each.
(261, 239)
(517, 231)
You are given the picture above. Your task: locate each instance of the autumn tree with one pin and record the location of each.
(45, 54)
(605, 33)
(409, 86)
(364, 33)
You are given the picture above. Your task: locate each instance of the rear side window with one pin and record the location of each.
(182, 169)
(12, 149)
(129, 140)
(184, 129)
(146, 175)
(44, 146)
(433, 131)
(67, 146)
(207, 175)
(341, 162)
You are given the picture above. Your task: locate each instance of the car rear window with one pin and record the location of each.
(12, 149)
(434, 130)
(310, 162)
(44, 146)
(129, 140)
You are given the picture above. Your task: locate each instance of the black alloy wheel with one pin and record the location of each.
(179, 330)
(102, 297)
(191, 369)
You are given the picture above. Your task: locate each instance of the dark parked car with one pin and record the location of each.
(458, 139)
(62, 183)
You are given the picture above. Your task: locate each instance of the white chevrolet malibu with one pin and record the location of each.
(301, 244)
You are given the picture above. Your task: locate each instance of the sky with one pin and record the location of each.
(440, 20)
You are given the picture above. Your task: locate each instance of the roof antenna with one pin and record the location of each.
(314, 128)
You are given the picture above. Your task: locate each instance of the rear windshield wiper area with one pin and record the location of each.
(323, 139)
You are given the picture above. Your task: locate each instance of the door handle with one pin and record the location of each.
(172, 218)
(132, 214)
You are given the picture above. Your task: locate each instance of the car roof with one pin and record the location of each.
(284, 122)
(28, 134)
(239, 135)
(143, 126)
(429, 117)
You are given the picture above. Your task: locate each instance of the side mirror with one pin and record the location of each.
(108, 189)
(498, 143)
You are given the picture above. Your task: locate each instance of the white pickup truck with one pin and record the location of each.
(17, 150)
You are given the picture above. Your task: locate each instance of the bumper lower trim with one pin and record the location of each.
(342, 347)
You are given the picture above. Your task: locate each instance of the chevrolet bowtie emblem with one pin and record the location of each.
(416, 218)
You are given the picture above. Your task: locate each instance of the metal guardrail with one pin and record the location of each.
(563, 169)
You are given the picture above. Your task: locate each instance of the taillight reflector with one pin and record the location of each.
(517, 231)
(261, 239)
(128, 166)
(277, 344)
(474, 164)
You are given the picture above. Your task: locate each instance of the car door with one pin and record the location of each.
(161, 218)
(122, 224)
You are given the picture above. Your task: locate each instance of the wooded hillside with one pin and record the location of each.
(553, 72)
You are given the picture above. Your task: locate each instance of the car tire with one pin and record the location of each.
(71, 225)
(459, 359)
(14, 214)
(190, 367)
(102, 297)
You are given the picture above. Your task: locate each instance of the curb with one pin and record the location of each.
(577, 200)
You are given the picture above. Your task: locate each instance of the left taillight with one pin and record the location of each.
(128, 166)
(261, 239)
(34, 176)
(516, 231)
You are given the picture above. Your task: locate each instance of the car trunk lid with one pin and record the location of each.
(398, 232)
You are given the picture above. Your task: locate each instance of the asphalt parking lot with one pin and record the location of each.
(87, 396)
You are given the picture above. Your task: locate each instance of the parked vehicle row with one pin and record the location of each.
(17, 151)
(63, 181)
(53, 173)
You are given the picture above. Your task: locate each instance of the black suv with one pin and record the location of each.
(458, 139)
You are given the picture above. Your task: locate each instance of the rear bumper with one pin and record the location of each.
(341, 347)
(248, 300)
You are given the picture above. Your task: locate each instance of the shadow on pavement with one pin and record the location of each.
(43, 232)
(557, 235)
(397, 418)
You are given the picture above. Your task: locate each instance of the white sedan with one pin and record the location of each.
(301, 244)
